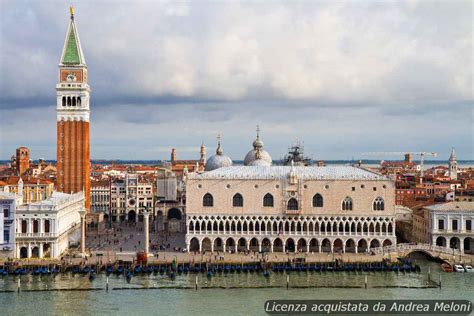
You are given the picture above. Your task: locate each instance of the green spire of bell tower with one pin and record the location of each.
(72, 51)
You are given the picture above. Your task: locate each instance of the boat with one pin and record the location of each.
(468, 268)
(109, 270)
(92, 276)
(447, 267)
(458, 268)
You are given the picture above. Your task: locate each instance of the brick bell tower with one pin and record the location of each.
(72, 91)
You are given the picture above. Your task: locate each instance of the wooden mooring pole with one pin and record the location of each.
(107, 284)
(365, 282)
(18, 287)
(196, 282)
(287, 281)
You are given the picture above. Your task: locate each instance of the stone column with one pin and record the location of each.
(146, 228)
(82, 213)
(40, 252)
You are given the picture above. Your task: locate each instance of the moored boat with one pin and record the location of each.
(447, 267)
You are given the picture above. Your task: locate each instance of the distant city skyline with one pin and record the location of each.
(167, 75)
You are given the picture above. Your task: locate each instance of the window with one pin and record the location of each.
(6, 236)
(24, 226)
(46, 226)
(317, 200)
(347, 204)
(353, 188)
(35, 226)
(292, 204)
(268, 200)
(379, 204)
(455, 224)
(375, 188)
(468, 224)
(237, 200)
(6, 213)
(440, 224)
(207, 200)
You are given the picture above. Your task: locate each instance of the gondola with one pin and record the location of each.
(137, 269)
(92, 276)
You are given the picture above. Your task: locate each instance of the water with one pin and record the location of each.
(216, 301)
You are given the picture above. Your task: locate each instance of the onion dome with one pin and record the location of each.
(258, 156)
(218, 160)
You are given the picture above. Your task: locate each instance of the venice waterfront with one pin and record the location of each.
(220, 295)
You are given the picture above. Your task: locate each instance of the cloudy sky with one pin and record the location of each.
(342, 77)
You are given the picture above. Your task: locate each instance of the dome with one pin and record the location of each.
(258, 156)
(218, 160)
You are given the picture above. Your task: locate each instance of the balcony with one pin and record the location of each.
(293, 212)
(36, 235)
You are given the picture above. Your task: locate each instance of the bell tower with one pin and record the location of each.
(453, 166)
(72, 92)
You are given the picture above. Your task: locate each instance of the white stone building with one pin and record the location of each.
(100, 196)
(45, 228)
(451, 225)
(289, 208)
(8, 202)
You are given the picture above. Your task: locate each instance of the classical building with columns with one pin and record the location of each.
(8, 202)
(448, 225)
(46, 228)
(261, 207)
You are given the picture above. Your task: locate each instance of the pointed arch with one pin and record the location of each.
(292, 204)
(208, 200)
(347, 204)
(379, 204)
(268, 200)
(238, 200)
(318, 200)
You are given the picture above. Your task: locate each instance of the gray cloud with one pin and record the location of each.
(343, 77)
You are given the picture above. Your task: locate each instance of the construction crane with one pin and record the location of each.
(422, 155)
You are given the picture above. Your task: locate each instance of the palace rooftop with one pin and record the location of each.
(283, 172)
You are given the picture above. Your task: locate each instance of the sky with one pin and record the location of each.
(342, 77)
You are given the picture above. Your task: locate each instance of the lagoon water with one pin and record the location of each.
(211, 299)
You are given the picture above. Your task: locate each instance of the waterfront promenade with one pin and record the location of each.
(122, 242)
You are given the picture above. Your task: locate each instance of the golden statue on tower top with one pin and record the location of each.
(71, 10)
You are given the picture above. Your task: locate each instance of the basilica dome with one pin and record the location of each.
(218, 160)
(258, 156)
